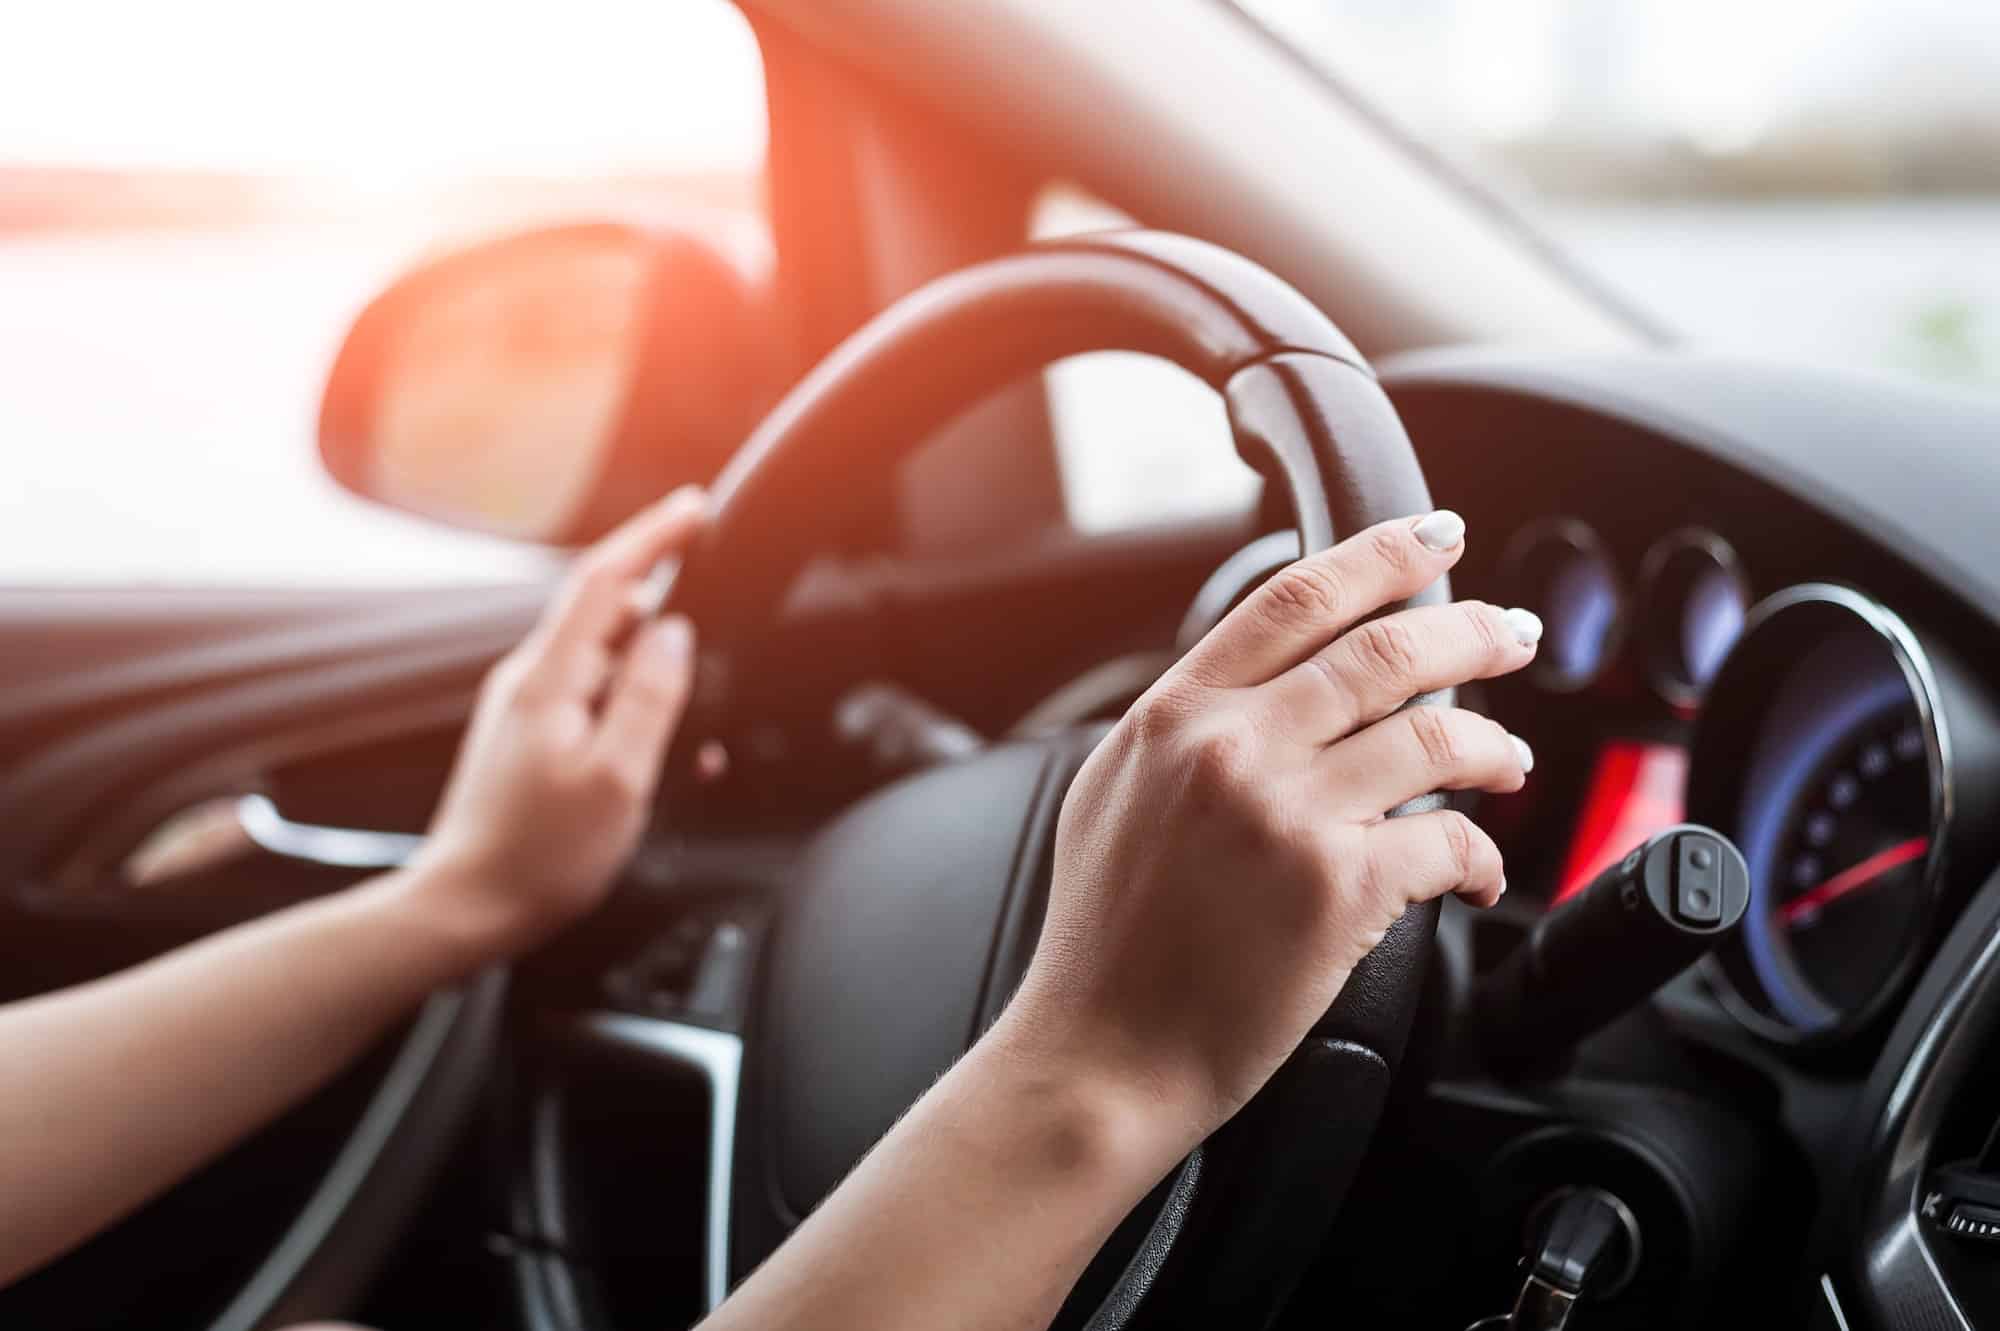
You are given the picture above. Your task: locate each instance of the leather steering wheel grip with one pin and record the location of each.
(1312, 409)
(1245, 1215)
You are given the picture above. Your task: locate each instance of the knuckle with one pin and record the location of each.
(1483, 621)
(1392, 546)
(1307, 589)
(1219, 758)
(1369, 880)
(508, 678)
(1332, 674)
(1389, 652)
(611, 779)
(1155, 718)
(1436, 733)
(1461, 843)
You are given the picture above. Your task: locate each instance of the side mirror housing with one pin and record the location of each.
(546, 385)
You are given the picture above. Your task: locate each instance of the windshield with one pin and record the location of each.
(1809, 179)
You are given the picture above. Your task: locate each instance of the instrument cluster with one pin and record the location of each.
(1809, 726)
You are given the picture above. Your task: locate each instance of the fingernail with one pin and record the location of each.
(686, 498)
(1524, 753)
(673, 639)
(1442, 530)
(650, 592)
(1503, 885)
(1525, 625)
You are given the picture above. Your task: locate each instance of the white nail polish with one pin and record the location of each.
(1442, 530)
(1525, 625)
(650, 593)
(1524, 753)
(672, 639)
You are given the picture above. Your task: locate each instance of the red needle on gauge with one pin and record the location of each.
(1852, 879)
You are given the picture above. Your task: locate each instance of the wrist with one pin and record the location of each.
(1106, 1115)
(448, 905)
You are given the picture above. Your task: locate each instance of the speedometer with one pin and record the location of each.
(1845, 881)
(1822, 752)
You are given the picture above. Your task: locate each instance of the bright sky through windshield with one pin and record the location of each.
(1718, 72)
(379, 91)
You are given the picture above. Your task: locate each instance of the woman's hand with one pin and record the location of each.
(1222, 860)
(556, 777)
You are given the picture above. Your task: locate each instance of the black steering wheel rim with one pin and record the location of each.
(1307, 412)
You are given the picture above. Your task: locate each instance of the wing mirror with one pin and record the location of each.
(546, 385)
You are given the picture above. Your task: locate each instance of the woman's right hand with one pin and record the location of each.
(1223, 860)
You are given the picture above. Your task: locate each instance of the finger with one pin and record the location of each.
(1374, 668)
(1429, 854)
(646, 702)
(1415, 752)
(596, 599)
(1303, 605)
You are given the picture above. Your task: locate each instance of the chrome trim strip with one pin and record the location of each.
(1833, 1303)
(718, 1056)
(440, 1024)
(329, 847)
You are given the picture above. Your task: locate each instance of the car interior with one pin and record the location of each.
(1748, 1094)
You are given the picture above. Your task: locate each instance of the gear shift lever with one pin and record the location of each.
(1608, 947)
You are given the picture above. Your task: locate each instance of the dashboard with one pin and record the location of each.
(1770, 598)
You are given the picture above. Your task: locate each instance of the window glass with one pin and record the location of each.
(1810, 179)
(1139, 441)
(196, 198)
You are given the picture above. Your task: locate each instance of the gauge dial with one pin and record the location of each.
(1846, 878)
(1820, 751)
(1695, 599)
(1560, 570)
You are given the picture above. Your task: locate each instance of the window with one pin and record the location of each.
(1812, 179)
(196, 198)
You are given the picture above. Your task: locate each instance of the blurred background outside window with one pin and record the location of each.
(1810, 179)
(197, 197)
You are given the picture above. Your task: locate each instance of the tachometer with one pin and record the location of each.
(1822, 752)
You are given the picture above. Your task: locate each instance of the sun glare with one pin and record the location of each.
(381, 94)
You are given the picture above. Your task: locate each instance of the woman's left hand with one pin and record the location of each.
(555, 780)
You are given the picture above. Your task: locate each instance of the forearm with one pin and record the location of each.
(977, 1211)
(112, 1091)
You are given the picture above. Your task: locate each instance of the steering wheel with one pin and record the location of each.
(915, 911)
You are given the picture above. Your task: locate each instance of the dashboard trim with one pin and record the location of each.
(718, 1057)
